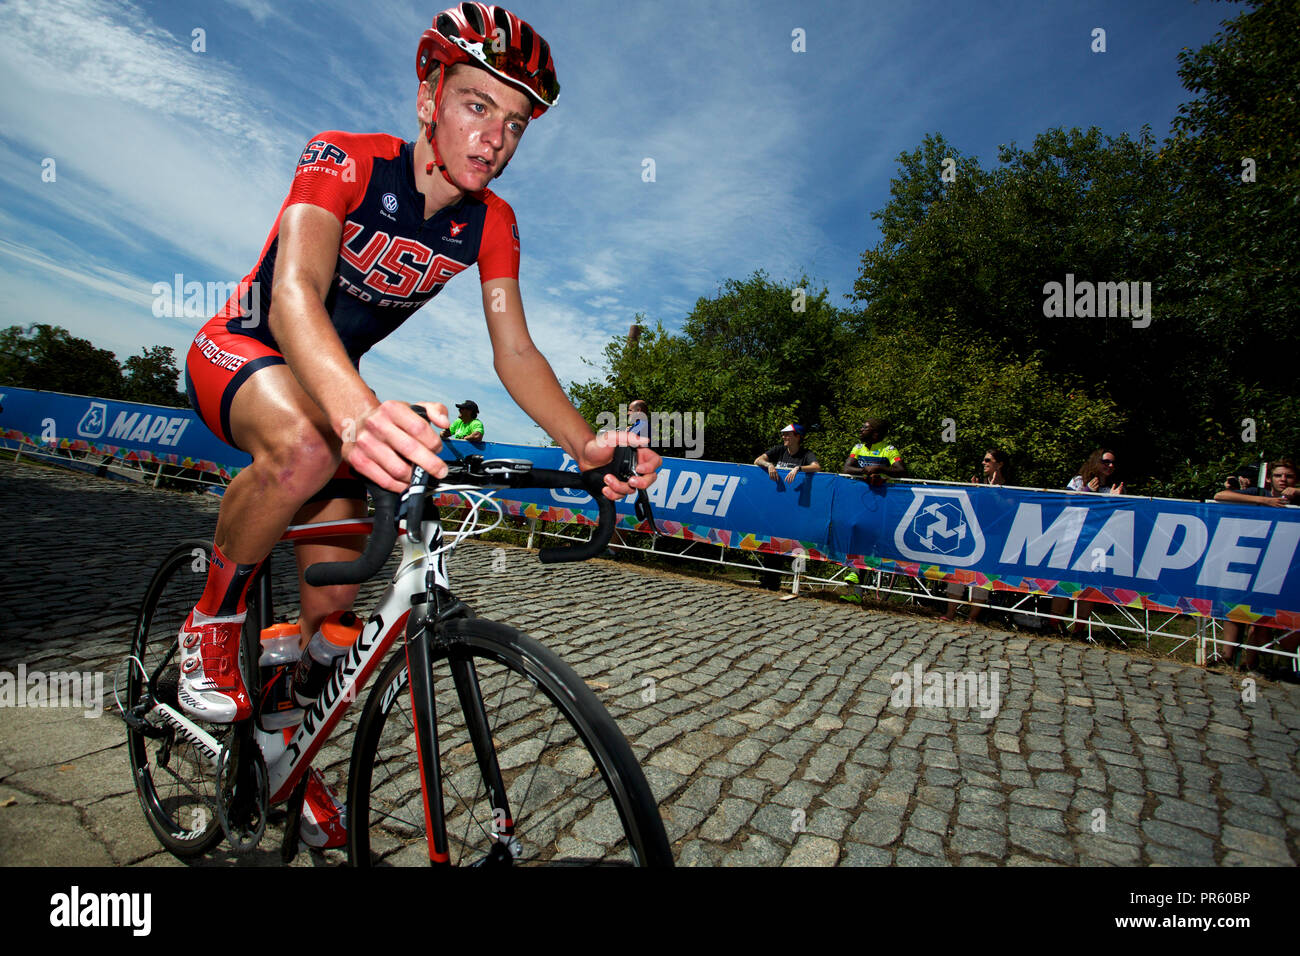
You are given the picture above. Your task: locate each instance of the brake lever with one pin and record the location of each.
(624, 465)
(411, 506)
(644, 512)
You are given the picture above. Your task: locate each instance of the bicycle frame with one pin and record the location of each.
(417, 600)
(287, 761)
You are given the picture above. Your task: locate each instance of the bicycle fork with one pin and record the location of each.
(419, 663)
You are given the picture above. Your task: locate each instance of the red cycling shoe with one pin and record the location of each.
(211, 687)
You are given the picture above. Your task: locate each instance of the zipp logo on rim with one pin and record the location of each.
(393, 690)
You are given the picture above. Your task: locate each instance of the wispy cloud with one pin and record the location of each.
(171, 160)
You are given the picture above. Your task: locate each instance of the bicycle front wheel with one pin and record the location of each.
(174, 778)
(573, 792)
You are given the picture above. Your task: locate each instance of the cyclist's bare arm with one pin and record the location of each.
(528, 378)
(376, 437)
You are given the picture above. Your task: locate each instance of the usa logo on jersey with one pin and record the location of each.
(321, 151)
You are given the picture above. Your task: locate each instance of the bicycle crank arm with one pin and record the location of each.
(206, 744)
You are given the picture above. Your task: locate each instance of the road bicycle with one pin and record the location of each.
(476, 746)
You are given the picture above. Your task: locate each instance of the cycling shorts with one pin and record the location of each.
(219, 362)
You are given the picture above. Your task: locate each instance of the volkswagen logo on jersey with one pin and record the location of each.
(390, 202)
(940, 526)
(92, 423)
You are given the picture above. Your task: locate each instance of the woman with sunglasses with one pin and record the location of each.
(1098, 474)
(995, 465)
(994, 472)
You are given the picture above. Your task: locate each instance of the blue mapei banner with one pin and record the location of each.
(1195, 558)
(126, 430)
(736, 506)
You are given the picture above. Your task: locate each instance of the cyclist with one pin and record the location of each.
(371, 229)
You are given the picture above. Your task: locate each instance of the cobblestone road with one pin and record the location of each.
(772, 738)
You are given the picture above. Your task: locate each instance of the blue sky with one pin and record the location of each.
(167, 160)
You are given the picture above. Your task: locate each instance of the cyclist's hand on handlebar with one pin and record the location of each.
(388, 438)
(600, 451)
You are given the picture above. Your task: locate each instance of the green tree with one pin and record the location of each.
(1236, 225)
(949, 399)
(151, 376)
(755, 356)
(970, 253)
(48, 357)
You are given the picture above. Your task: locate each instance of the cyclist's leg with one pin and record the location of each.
(323, 822)
(261, 408)
(317, 603)
(295, 452)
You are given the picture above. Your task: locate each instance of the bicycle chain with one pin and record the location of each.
(244, 841)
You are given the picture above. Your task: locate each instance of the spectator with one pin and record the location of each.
(789, 456)
(874, 458)
(638, 414)
(1280, 489)
(1243, 481)
(996, 468)
(1098, 474)
(468, 426)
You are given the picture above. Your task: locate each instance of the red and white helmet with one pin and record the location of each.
(497, 40)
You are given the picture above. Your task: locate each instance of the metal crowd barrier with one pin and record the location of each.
(112, 466)
(1138, 625)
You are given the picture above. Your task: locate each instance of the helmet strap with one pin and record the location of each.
(433, 124)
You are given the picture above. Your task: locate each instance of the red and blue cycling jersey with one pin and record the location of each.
(391, 261)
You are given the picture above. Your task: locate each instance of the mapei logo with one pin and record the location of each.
(92, 423)
(940, 526)
(569, 495)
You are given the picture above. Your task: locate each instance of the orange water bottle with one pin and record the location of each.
(279, 660)
(337, 634)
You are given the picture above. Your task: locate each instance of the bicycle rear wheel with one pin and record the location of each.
(573, 788)
(174, 779)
